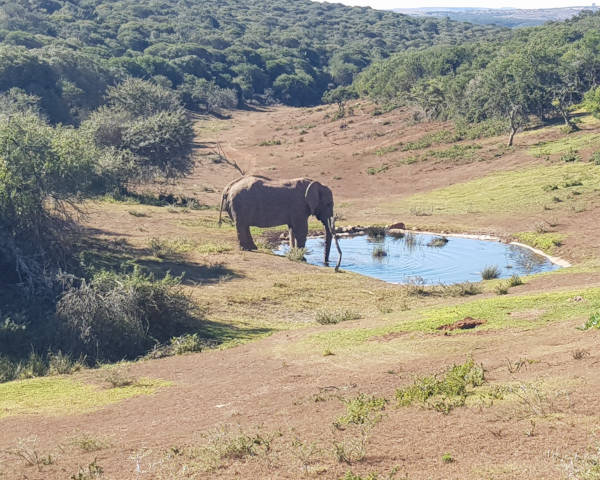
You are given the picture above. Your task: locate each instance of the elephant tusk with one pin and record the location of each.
(337, 245)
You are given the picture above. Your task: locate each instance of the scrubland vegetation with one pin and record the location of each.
(112, 257)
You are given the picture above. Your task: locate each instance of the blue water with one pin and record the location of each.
(410, 259)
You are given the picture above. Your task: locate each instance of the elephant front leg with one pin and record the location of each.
(300, 231)
(244, 237)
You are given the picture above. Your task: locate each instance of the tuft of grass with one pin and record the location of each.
(361, 409)
(456, 152)
(385, 150)
(570, 156)
(582, 466)
(379, 252)
(188, 343)
(169, 248)
(363, 413)
(92, 471)
(223, 445)
(375, 232)
(502, 288)
(90, 443)
(429, 139)
(268, 143)
(593, 321)
(213, 248)
(325, 317)
(447, 458)
(374, 171)
(544, 241)
(490, 272)
(438, 242)
(63, 364)
(118, 378)
(60, 395)
(515, 281)
(446, 392)
(296, 254)
(137, 213)
(595, 159)
(27, 451)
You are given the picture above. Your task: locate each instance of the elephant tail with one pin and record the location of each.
(223, 197)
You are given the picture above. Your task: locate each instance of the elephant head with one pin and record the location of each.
(319, 200)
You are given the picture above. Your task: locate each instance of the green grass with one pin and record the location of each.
(214, 247)
(446, 392)
(566, 144)
(455, 152)
(66, 396)
(544, 241)
(498, 312)
(503, 192)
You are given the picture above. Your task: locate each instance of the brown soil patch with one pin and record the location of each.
(465, 324)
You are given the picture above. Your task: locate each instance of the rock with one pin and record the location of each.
(395, 232)
(397, 226)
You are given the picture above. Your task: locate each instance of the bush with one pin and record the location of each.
(141, 98)
(144, 132)
(571, 156)
(591, 101)
(329, 318)
(515, 281)
(38, 163)
(187, 343)
(490, 272)
(445, 393)
(112, 316)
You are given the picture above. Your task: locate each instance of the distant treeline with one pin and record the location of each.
(542, 72)
(214, 53)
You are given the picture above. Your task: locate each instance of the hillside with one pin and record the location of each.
(505, 17)
(214, 53)
(282, 407)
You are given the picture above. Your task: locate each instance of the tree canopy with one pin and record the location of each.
(214, 53)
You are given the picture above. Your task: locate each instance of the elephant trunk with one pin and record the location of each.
(328, 236)
(337, 245)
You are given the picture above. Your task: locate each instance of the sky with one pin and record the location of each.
(390, 4)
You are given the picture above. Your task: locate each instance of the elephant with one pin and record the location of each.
(258, 201)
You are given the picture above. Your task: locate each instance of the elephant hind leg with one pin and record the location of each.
(244, 237)
(293, 242)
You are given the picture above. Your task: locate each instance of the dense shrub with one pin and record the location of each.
(41, 169)
(123, 316)
(146, 131)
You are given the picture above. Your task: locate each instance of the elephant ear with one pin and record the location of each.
(312, 195)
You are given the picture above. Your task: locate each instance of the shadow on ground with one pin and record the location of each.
(96, 254)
